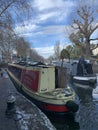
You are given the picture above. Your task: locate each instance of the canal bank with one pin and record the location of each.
(24, 115)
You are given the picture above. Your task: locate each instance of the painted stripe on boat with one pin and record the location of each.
(83, 78)
(82, 86)
(55, 108)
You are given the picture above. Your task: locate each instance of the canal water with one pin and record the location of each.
(87, 116)
(85, 119)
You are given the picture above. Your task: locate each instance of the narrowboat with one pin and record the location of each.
(82, 79)
(38, 82)
(86, 81)
(82, 75)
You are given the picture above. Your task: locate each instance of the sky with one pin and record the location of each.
(49, 24)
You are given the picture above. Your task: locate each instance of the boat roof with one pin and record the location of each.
(31, 64)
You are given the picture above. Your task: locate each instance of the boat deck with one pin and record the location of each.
(58, 93)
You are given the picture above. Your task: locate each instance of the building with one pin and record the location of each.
(95, 51)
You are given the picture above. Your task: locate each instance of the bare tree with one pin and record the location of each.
(79, 43)
(35, 56)
(6, 43)
(85, 25)
(12, 11)
(57, 50)
(22, 47)
(7, 35)
(6, 5)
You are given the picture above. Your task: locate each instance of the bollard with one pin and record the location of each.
(11, 102)
(10, 105)
(1, 74)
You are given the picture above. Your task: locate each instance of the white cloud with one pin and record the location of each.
(55, 29)
(25, 28)
(49, 18)
(54, 10)
(46, 11)
(46, 16)
(49, 4)
(45, 51)
(44, 31)
(42, 4)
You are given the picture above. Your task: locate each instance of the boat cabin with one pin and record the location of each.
(81, 69)
(39, 78)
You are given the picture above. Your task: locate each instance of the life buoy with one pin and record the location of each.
(72, 106)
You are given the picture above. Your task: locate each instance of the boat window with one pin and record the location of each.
(16, 71)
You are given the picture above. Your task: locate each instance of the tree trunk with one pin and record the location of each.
(88, 52)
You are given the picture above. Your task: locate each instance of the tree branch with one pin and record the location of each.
(93, 29)
(94, 39)
(7, 7)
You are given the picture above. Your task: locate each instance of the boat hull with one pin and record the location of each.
(86, 82)
(83, 85)
(57, 113)
(58, 106)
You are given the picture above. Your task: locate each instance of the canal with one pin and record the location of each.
(86, 118)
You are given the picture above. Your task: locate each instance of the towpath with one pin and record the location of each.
(25, 115)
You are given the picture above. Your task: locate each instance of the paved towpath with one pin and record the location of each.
(25, 116)
(5, 122)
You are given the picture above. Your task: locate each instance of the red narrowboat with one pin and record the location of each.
(38, 82)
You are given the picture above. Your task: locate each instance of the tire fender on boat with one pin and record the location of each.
(93, 82)
(72, 106)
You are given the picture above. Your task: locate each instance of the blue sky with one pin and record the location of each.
(50, 23)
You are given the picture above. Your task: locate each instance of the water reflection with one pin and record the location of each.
(86, 118)
(69, 123)
(74, 126)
